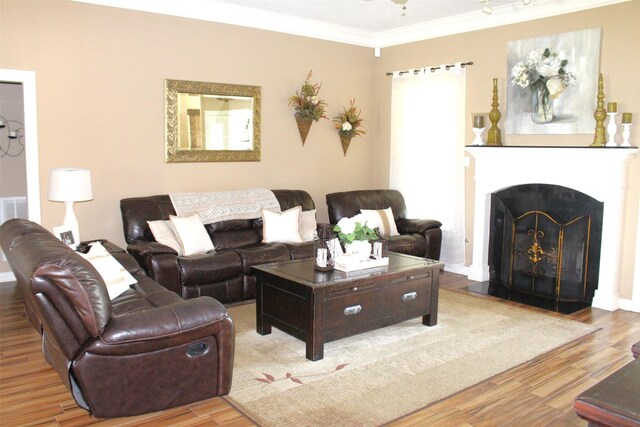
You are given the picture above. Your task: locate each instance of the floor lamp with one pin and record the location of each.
(70, 185)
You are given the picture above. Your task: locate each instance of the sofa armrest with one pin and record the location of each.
(164, 322)
(410, 226)
(159, 261)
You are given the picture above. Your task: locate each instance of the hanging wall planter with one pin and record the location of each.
(309, 107)
(349, 125)
(345, 140)
(303, 127)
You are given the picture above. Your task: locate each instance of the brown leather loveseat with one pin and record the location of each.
(418, 237)
(224, 273)
(143, 351)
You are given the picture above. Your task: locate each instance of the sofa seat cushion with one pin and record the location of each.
(209, 268)
(262, 254)
(409, 244)
(143, 295)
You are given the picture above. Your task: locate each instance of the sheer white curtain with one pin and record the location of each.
(427, 152)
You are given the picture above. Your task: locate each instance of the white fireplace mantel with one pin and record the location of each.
(601, 173)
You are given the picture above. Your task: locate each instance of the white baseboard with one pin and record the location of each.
(457, 268)
(7, 277)
(629, 305)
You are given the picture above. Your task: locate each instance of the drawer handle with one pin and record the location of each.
(409, 296)
(350, 311)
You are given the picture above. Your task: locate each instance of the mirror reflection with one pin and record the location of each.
(211, 122)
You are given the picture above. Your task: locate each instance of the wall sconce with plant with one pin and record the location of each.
(349, 124)
(308, 106)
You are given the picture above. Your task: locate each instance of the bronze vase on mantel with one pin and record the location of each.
(345, 140)
(303, 127)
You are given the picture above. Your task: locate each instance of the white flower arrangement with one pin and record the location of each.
(546, 71)
(354, 228)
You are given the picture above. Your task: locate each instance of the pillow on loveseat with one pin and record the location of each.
(165, 233)
(381, 219)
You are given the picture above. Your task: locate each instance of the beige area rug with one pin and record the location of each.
(378, 376)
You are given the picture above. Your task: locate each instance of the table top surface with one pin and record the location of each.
(302, 270)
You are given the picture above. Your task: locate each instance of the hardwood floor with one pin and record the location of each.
(538, 393)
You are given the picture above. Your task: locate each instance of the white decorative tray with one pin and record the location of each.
(347, 263)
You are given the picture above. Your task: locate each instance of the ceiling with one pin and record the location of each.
(372, 23)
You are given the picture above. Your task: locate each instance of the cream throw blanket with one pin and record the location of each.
(225, 205)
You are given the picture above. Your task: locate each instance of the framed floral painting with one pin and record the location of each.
(553, 83)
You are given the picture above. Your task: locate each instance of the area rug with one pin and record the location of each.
(378, 376)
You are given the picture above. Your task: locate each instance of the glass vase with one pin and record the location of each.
(541, 106)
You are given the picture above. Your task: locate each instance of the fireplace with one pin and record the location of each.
(600, 173)
(544, 246)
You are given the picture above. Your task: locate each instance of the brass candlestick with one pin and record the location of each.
(493, 136)
(600, 115)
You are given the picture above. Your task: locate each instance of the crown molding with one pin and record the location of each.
(215, 11)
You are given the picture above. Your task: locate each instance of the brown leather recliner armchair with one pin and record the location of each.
(146, 350)
(418, 237)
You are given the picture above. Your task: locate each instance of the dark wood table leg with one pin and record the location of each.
(315, 331)
(262, 327)
(431, 319)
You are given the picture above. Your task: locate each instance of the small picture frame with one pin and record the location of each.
(65, 234)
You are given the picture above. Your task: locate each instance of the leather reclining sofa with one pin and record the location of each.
(418, 237)
(145, 350)
(224, 274)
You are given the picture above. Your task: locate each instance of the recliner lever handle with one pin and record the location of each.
(197, 349)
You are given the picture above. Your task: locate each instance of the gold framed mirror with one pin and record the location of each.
(211, 122)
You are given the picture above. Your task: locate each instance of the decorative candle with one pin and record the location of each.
(626, 118)
(478, 121)
(612, 107)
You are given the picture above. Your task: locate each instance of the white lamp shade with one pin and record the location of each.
(70, 185)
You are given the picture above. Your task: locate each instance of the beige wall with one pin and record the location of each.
(100, 87)
(620, 65)
(100, 76)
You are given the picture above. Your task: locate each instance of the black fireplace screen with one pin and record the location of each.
(545, 241)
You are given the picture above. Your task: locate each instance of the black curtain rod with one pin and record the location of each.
(433, 69)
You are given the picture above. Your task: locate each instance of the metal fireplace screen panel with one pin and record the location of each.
(545, 241)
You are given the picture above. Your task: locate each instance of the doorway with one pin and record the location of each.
(19, 170)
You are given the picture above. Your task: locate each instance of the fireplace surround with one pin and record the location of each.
(601, 173)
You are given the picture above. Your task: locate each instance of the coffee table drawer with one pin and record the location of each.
(408, 294)
(351, 312)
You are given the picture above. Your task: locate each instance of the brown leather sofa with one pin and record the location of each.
(418, 237)
(145, 350)
(224, 274)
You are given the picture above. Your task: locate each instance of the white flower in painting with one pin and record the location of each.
(549, 65)
(555, 86)
(519, 75)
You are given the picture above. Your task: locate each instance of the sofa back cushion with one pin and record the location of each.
(349, 203)
(231, 234)
(47, 266)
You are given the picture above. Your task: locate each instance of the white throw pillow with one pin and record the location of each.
(307, 225)
(115, 276)
(281, 227)
(164, 232)
(192, 235)
(382, 219)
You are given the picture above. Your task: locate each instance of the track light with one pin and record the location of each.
(487, 9)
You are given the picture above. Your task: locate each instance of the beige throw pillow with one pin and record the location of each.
(164, 232)
(192, 235)
(114, 275)
(281, 227)
(382, 219)
(307, 225)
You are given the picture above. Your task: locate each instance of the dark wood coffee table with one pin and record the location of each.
(319, 307)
